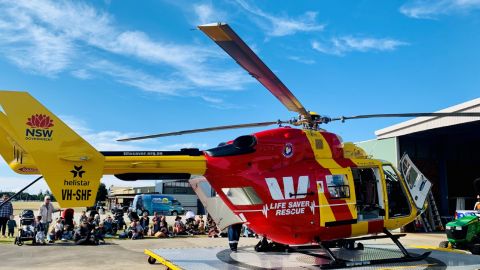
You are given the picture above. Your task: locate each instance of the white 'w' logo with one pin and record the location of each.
(288, 189)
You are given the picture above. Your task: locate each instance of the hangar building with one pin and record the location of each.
(446, 150)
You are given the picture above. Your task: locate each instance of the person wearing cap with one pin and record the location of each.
(46, 211)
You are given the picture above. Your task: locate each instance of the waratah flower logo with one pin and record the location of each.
(40, 121)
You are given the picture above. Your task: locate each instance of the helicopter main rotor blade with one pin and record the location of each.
(231, 43)
(189, 131)
(382, 115)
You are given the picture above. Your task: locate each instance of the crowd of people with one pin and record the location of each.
(158, 227)
(90, 229)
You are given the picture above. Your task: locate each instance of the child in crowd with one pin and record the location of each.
(135, 231)
(39, 231)
(67, 233)
(96, 220)
(11, 224)
(51, 233)
(59, 229)
(83, 217)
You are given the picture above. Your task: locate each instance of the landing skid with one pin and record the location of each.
(336, 262)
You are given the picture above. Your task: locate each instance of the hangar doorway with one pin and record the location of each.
(445, 149)
(450, 158)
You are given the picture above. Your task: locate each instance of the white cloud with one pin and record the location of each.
(138, 78)
(205, 13)
(51, 37)
(302, 60)
(212, 99)
(431, 9)
(282, 25)
(81, 74)
(341, 45)
(106, 140)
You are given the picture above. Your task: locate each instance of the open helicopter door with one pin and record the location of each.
(418, 185)
(218, 210)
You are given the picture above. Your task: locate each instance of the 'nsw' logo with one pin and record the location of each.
(39, 128)
(40, 121)
(289, 191)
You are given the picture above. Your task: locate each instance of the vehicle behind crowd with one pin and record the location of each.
(26, 231)
(162, 204)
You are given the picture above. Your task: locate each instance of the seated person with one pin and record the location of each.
(100, 232)
(51, 233)
(58, 229)
(144, 221)
(162, 228)
(179, 226)
(137, 230)
(83, 234)
(155, 223)
(108, 225)
(213, 231)
(191, 227)
(67, 233)
(83, 217)
(201, 227)
(96, 220)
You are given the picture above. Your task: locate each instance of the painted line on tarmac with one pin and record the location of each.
(161, 260)
(409, 266)
(441, 249)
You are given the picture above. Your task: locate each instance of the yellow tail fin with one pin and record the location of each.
(35, 141)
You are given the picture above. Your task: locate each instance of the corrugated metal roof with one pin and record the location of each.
(425, 123)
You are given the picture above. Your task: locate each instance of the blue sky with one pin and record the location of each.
(113, 69)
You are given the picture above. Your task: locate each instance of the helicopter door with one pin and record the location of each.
(369, 193)
(216, 208)
(418, 185)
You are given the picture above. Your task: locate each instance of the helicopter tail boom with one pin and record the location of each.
(35, 141)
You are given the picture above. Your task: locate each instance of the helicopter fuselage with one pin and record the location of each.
(298, 186)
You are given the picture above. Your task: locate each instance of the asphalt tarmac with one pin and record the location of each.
(128, 254)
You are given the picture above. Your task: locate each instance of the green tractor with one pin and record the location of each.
(464, 233)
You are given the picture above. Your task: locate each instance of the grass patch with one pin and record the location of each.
(19, 206)
(7, 240)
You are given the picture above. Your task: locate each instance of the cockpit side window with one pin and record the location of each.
(398, 204)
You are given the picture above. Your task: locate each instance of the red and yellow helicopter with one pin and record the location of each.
(293, 185)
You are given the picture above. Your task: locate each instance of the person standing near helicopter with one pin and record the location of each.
(477, 204)
(234, 235)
